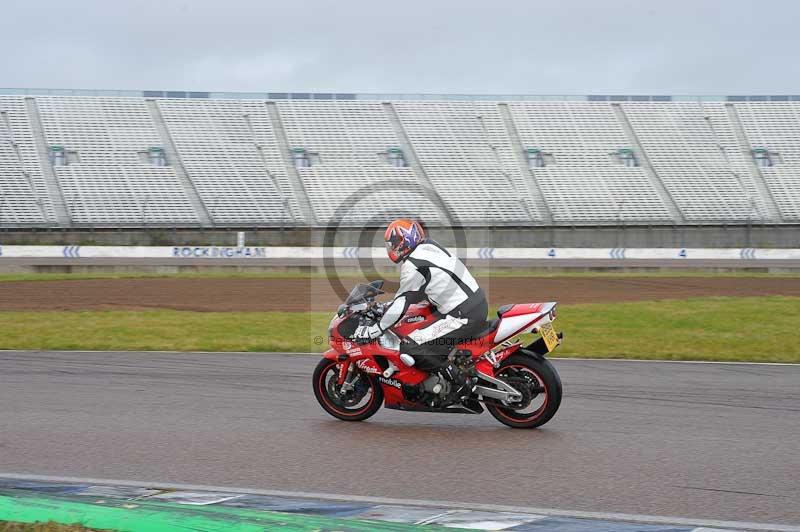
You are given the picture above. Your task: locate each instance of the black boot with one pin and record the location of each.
(460, 382)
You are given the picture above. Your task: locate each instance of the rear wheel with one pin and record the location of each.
(357, 404)
(540, 385)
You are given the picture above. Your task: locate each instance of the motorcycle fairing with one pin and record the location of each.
(393, 396)
(522, 318)
(513, 320)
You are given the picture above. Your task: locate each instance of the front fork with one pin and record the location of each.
(345, 368)
(347, 377)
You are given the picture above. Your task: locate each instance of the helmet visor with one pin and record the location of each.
(393, 250)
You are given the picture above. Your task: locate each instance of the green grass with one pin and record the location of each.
(163, 330)
(763, 329)
(758, 329)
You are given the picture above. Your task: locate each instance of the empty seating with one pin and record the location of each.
(125, 196)
(584, 183)
(218, 141)
(467, 155)
(344, 134)
(109, 181)
(23, 193)
(707, 183)
(351, 181)
(449, 162)
(351, 195)
(775, 127)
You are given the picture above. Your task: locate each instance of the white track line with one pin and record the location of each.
(607, 516)
(287, 353)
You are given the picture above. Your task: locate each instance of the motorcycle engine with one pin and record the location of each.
(438, 391)
(462, 359)
(436, 385)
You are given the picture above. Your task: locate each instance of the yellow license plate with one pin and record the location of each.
(549, 335)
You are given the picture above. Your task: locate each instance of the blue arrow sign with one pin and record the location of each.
(71, 251)
(747, 253)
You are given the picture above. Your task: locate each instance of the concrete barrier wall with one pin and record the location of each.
(315, 254)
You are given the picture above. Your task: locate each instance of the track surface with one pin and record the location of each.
(694, 440)
(296, 294)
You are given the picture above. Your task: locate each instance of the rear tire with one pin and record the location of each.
(546, 378)
(325, 392)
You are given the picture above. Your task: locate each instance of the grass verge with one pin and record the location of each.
(759, 329)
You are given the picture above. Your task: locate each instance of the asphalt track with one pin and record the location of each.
(707, 441)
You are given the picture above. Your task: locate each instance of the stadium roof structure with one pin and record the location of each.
(398, 96)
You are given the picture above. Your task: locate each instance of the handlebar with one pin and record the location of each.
(375, 312)
(372, 309)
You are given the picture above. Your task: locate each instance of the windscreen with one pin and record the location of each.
(364, 291)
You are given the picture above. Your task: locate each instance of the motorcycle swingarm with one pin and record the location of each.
(501, 391)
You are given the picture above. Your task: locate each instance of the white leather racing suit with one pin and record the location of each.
(431, 272)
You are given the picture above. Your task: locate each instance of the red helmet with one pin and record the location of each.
(401, 237)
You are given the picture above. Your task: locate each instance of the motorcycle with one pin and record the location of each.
(516, 383)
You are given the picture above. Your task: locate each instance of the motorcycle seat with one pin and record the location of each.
(503, 309)
(490, 327)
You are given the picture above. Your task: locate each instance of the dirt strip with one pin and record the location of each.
(317, 294)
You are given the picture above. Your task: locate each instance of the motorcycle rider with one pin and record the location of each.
(429, 271)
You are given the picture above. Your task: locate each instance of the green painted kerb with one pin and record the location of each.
(135, 516)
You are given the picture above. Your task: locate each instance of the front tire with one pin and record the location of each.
(543, 391)
(358, 405)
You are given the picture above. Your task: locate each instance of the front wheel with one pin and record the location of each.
(540, 385)
(357, 404)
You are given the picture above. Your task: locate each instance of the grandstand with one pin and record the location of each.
(82, 159)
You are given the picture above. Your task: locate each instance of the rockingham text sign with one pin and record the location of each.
(214, 252)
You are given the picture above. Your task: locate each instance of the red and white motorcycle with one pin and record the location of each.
(516, 383)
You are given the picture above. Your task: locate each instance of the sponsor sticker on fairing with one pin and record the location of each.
(367, 367)
(391, 382)
(351, 348)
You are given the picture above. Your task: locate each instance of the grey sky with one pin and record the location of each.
(536, 47)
